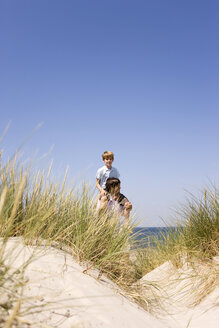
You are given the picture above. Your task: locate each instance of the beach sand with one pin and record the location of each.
(188, 296)
(57, 293)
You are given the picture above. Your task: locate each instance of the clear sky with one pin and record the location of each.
(139, 78)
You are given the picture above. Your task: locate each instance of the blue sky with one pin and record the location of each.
(139, 78)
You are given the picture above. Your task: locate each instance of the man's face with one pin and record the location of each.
(108, 162)
(116, 190)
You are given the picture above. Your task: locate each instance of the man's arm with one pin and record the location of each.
(127, 209)
(126, 212)
(128, 206)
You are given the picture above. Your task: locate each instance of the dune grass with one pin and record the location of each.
(12, 282)
(195, 234)
(39, 209)
(43, 211)
(200, 233)
(194, 241)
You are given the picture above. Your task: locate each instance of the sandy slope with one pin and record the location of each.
(178, 292)
(61, 295)
(66, 297)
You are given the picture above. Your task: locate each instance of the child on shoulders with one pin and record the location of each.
(105, 172)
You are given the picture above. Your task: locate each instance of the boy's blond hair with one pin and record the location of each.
(107, 154)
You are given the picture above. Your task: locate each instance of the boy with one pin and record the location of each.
(105, 172)
(114, 199)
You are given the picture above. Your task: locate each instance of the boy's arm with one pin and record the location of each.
(101, 190)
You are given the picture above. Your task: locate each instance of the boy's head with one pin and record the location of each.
(108, 158)
(113, 186)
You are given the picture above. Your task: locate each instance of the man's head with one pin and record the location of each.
(108, 158)
(113, 186)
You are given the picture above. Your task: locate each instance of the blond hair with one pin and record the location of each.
(107, 154)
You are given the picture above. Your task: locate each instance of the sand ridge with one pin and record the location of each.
(58, 293)
(61, 295)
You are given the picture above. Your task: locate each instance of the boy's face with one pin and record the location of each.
(108, 162)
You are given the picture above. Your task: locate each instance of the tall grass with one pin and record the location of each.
(191, 244)
(195, 233)
(12, 282)
(200, 217)
(43, 211)
(40, 210)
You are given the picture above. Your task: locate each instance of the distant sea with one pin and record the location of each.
(144, 235)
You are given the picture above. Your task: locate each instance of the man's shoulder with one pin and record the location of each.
(122, 199)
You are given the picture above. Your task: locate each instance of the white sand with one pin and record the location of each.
(67, 297)
(178, 293)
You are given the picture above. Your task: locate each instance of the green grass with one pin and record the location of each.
(200, 218)
(194, 241)
(12, 281)
(41, 210)
(195, 234)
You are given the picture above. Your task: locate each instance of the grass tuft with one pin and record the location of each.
(41, 210)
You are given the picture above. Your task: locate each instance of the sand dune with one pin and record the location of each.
(187, 296)
(66, 297)
(61, 295)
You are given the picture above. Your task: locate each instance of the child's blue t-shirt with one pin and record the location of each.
(104, 173)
